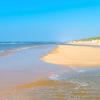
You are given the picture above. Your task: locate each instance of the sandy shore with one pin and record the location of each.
(77, 56)
(35, 83)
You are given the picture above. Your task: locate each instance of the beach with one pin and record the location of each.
(50, 50)
(42, 73)
(74, 56)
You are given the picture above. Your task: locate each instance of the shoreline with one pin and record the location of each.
(41, 80)
(23, 66)
(74, 56)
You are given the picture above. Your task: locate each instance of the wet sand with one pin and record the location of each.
(74, 56)
(83, 87)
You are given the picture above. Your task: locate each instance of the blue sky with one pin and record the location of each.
(49, 20)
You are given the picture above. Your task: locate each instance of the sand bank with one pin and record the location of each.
(77, 56)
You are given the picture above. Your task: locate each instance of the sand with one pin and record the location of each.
(74, 56)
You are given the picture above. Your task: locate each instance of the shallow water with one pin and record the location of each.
(26, 66)
(84, 87)
(37, 80)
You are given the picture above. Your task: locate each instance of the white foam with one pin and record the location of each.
(54, 77)
(80, 83)
(24, 48)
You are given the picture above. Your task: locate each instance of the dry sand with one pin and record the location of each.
(74, 56)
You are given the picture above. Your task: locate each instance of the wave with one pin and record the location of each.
(13, 43)
(17, 49)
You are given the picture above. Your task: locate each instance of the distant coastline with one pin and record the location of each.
(87, 41)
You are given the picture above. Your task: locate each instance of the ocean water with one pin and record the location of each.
(21, 68)
(15, 45)
(22, 64)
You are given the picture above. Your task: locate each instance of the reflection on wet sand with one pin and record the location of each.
(70, 89)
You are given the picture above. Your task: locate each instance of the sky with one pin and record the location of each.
(49, 20)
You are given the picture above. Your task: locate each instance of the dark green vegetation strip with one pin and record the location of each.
(92, 38)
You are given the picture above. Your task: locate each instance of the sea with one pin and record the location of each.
(15, 45)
